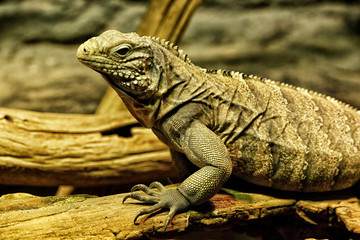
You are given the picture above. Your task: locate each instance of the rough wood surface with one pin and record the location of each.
(166, 19)
(25, 216)
(48, 149)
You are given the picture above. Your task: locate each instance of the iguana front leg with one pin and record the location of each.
(204, 149)
(183, 166)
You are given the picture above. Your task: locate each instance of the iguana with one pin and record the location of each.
(226, 123)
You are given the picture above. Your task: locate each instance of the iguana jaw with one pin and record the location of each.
(130, 81)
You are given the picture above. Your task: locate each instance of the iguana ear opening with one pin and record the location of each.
(158, 82)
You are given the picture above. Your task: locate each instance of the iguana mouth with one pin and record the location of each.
(126, 74)
(124, 78)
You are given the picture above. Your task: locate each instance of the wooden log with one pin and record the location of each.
(25, 216)
(48, 149)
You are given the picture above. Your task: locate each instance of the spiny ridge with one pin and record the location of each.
(243, 76)
(236, 75)
(172, 48)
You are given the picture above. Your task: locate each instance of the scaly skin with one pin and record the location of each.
(226, 123)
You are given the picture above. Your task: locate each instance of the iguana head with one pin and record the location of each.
(138, 69)
(124, 60)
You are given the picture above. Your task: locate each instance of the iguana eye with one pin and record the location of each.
(123, 50)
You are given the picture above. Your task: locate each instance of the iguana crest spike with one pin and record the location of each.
(170, 46)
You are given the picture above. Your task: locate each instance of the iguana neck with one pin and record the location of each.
(176, 85)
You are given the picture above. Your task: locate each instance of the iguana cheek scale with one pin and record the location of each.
(226, 123)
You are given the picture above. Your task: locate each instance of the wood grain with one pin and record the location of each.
(48, 149)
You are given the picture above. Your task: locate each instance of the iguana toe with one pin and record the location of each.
(163, 198)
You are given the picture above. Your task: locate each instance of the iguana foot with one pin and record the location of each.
(163, 198)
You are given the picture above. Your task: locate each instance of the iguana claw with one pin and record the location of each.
(163, 198)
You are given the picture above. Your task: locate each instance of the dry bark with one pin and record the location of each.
(25, 216)
(48, 149)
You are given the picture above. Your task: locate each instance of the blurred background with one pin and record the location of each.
(307, 43)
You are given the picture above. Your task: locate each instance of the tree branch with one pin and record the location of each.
(30, 217)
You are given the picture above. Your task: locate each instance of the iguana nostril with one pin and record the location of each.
(83, 51)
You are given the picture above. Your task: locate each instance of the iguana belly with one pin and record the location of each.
(272, 165)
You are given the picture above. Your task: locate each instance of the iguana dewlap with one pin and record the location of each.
(226, 123)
